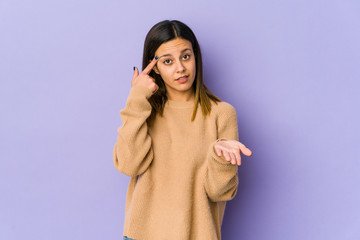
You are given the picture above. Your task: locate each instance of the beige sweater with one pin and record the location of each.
(179, 185)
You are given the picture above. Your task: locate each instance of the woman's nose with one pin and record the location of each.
(180, 66)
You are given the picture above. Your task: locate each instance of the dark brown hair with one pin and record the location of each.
(160, 33)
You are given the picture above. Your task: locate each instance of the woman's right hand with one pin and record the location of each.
(144, 79)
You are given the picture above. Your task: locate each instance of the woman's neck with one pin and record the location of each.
(182, 97)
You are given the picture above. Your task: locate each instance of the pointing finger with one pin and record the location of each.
(149, 67)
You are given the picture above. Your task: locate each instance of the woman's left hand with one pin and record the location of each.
(231, 150)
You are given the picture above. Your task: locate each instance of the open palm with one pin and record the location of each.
(231, 150)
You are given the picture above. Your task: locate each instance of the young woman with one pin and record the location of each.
(178, 143)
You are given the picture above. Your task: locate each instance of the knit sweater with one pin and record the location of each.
(179, 186)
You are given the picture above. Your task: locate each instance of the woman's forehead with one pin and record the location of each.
(173, 47)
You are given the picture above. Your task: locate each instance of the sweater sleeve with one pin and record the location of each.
(133, 151)
(221, 178)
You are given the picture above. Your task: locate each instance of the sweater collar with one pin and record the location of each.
(180, 104)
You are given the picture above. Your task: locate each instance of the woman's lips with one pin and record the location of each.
(182, 79)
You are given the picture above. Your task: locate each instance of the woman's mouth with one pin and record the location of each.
(182, 79)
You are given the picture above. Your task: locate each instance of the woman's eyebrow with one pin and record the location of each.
(165, 55)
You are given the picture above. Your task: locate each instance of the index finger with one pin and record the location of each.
(151, 65)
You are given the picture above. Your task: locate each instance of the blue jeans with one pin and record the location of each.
(126, 238)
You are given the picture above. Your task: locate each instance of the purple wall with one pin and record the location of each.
(290, 68)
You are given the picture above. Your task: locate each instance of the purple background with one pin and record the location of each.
(290, 68)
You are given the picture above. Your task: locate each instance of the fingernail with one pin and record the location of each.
(156, 57)
(134, 68)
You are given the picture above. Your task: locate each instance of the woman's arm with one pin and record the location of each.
(221, 178)
(133, 151)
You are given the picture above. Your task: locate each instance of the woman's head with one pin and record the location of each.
(177, 68)
(182, 57)
(168, 37)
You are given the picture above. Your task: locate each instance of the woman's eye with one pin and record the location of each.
(167, 61)
(187, 56)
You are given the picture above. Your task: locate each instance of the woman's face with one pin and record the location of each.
(177, 67)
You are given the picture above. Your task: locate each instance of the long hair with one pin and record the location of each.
(160, 33)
